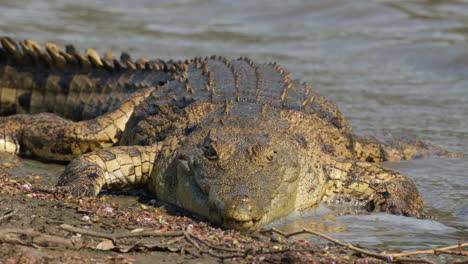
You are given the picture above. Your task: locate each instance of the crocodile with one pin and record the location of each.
(237, 142)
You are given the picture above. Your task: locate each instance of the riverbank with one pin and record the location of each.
(38, 227)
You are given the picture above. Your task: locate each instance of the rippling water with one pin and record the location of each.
(394, 66)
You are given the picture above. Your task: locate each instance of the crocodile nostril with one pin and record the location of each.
(183, 166)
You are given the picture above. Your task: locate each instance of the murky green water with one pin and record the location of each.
(396, 66)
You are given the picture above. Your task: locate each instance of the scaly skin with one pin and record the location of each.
(69, 84)
(98, 93)
(236, 142)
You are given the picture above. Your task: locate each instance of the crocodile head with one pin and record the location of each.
(241, 173)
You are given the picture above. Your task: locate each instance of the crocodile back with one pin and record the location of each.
(232, 87)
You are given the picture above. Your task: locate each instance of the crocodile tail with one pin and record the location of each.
(385, 147)
(72, 85)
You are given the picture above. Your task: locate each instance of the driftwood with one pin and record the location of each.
(37, 239)
(114, 237)
(388, 256)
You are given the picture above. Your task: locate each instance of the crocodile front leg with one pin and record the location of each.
(385, 189)
(114, 168)
(51, 137)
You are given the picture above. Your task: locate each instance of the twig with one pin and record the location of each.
(224, 256)
(189, 239)
(8, 214)
(240, 252)
(34, 238)
(114, 237)
(440, 251)
(172, 241)
(437, 251)
(208, 244)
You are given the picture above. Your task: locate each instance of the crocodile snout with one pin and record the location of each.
(239, 212)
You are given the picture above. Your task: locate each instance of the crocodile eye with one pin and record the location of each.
(210, 150)
(271, 155)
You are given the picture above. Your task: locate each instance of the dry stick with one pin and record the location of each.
(208, 244)
(189, 239)
(8, 214)
(172, 241)
(224, 256)
(240, 252)
(440, 251)
(114, 237)
(444, 250)
(31, 237)
(338, 242)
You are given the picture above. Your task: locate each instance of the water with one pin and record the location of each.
(445, 199)
(393, 66)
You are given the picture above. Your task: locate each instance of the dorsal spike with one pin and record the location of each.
(69, 58)
(37, 51)
(108, 64)
(27, 50)
(94, 57)
(109, 55)
(70, 49)
(130, 65)
(142, 60)
(52, 46)
(83, 61)
(124, 57)
(54, 52)
(11, 47)
(156, 66)
(118, 65)
(29, 56)
(33, 46)
(140, 66)
(149, 65)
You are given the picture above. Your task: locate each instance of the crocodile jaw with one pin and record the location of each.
(233, 206)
